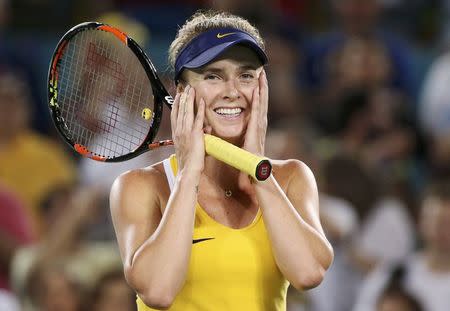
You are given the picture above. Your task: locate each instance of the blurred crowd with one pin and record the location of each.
(358, 91)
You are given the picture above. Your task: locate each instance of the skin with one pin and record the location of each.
(115, 296)
(58, 294)
(154, 225)
(435, 230)
(394, 304)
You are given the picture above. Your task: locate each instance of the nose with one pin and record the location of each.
(231, 91)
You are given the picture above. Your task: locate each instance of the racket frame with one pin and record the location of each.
(160, 93)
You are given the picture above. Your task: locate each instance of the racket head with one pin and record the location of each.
(104, 94)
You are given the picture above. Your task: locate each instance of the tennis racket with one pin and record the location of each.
(103, 107)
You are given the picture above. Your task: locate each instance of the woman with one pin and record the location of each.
(196, 234)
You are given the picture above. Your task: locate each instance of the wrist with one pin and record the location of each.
(189, 175)
(262, 184)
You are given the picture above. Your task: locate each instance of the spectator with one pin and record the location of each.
(14, 56)
(395, 297)
(427, 272)
(258, 12)
(30, 164)
(15, 231)
(344, 202)
(68, 212)
(397, 300)
(360, 51)
(367, 228)
(8, 301)
(361, 19)
(338, 290)
(373, 127)
(52, 288)
(285, 59)
(112, 293)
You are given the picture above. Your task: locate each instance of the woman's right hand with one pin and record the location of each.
(187, 131)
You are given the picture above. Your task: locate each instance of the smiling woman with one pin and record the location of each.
(221, 84)
(196, 234)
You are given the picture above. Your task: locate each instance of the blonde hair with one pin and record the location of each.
(203, 21)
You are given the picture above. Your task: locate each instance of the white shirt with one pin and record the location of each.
(388, 232)
(337, 291)
(8, 302)
(430, 288)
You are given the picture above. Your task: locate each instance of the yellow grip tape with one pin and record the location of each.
(257, 167)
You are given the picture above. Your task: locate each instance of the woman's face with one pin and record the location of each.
(394, 304)
(116, 295)
(435, 225)
(227, 86)
(57, 293)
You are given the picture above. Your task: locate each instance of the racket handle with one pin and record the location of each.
(257, 167)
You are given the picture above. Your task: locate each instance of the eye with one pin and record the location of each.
(247, 76)
(210, 76)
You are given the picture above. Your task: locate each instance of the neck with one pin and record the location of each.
(237, 141)
(220, 173)
(227, 181)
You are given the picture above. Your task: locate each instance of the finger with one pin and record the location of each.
(174, 112)
(181, 109)
(263, 94)
(189, 116)
(199, 118)
(254, 112)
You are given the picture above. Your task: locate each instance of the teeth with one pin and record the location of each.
(228, 111)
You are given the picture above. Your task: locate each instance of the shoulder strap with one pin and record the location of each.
(169, 172)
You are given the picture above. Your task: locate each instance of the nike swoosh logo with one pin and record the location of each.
(220, 36)
(201, 240)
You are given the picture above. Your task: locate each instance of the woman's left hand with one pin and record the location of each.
(255, 136)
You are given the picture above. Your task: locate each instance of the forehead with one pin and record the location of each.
(435, 206)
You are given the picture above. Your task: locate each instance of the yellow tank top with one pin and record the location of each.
(229, 269)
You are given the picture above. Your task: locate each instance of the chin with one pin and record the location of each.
(231, 136)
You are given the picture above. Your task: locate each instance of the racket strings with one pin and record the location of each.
(103, 91)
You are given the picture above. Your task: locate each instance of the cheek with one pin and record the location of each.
(247, 91)
(205, 92)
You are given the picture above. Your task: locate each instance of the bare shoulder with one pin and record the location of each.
(292, 172)
(299, 185)
(144, 187)
(136, 199)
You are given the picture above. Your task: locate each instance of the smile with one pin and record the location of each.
(229, 112)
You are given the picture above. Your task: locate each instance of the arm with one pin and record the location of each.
(66, 232)
(8, 247)
(155, 238)
(155, 247)
(300, 247)
(15, 227)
